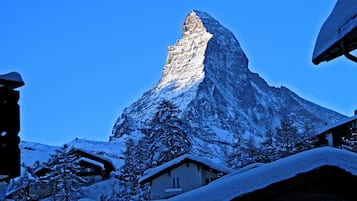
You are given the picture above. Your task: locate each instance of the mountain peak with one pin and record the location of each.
(196, 22)
(207, 76)
(187, 61)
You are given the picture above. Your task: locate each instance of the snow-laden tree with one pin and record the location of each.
(306, 137)
(134, 166)
(19, 185)
(64, 169)
(268, 150)
(124, 127)
(164, 138)
(243, 152)
(167, 134)
(349, 142)
(286, 136)
(234, 158)
(129, 172)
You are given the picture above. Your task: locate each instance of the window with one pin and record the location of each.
(207, 181)
(175, 182)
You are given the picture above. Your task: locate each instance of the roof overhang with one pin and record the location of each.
(155, 172)
(338, 34)
(11, 80)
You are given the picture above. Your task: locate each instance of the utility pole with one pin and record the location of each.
(9, 129)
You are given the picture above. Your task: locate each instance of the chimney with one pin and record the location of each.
(355, 112)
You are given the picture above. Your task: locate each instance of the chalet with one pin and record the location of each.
(324, 173)
(94, 167)
(334, 134)
(181, 175)
(41, 188)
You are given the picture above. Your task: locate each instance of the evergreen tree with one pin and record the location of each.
(130, 172)
(64, 170)
(305, 141)
(244, 152)
(308, 130)
(286, 136)
(234, 159)
(168, 134)
(251, 146)
(165, 138)
(125, 126)
(349, 142)
(268, 151)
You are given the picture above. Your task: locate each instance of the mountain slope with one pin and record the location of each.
(206, 75)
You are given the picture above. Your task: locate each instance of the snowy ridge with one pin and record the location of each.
(262, 176)
(110, 151)
(31, 149)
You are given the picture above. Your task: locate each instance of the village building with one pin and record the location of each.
(338, 133)
(93, 168)
(180, 175)
(41, 188)
(324, 173)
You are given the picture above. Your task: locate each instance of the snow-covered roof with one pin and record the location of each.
(156, 171)
(11, 80)
(94, 155)
(88, 160)
(231, 186)
(108, 165)
(334, 125)
(340, 22)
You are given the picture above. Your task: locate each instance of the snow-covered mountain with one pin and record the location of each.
(207, 76)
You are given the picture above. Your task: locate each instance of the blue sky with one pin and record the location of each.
(84, 61)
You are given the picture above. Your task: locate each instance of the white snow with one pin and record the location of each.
(224, 135)
(106, 187)
(235, 184)
(101, 165)
(32, 152)
(170, 190)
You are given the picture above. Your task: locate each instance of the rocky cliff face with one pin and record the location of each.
(207, 76)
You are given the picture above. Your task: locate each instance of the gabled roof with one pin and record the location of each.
(159, 170)
(232, 186)
(108, 165)
(93, 162)
(339, 123)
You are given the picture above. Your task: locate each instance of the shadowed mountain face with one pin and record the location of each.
(206, 75)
